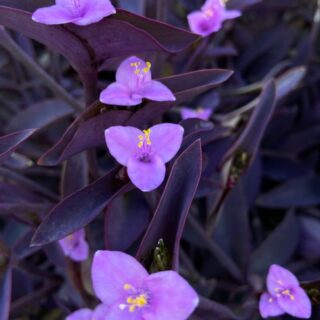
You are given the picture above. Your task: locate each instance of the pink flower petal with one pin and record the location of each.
(118, 94)
(269, 307)
(100, 312)
(82, 314)
(53, 15)
(204, 114)
(80, 252)
(126, 73)
(116, 313)
(94, 11)
(230, 14)
(279, 277)
(171, 297)
(111, 270)
(155, 90)
(299, 305)
(166, 139)
(122, 142)
(146, 175)
(75, 246)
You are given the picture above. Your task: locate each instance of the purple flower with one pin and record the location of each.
(133, 83)
(75, 246)
(99, 313)
(199, 113)
(145, 153)
(120, 282)
(210, 18)
(284, 295)
(80, 12)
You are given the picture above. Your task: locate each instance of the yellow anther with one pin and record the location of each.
(145, 137)
(288, 293)
(132, 308)
(208, 13)
(137, 71)
(148, 67)
(139, 302)
(127, 286)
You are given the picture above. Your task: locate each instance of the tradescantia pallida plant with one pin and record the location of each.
(159, 159)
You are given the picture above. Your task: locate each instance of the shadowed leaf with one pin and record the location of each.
(172, 210)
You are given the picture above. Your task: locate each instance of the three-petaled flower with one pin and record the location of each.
(145, 153)
(199, 113)
(80, 12)
(133, 83)
(210, 18)
(284, 295)
(75, 246)
(123, 284)
(99, 313)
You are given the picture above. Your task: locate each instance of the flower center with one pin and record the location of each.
(208, 13)
(281, 292)
(145, 146)
(137, 70)
(144, 138)
(137, 299)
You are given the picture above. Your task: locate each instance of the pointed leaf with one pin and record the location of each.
(12, 141)
(170, 216)
(298, 192)
(278, 247)
(80, 208)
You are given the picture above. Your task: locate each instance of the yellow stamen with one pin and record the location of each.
(148, 67)
(288, 293)
(144, 137)
(127, 286)
(138, 302)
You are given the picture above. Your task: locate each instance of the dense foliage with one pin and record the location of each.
(242, 193)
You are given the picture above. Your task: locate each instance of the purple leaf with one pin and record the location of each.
(55, 37)
(82, 207)
(172, 210)
(249, 140)
(11, 141)
(188, 85)
(298, 192)
(278, 247)
(39, 115)
(233, 229)
(74, 174)
(83, 134)
(5, 293)
(126, 215)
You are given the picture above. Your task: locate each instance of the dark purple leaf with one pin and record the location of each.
(83, 134)
(233, 229)
(172, 210)
(5, 292)
(80, 208)
(188, 85)
(251, 136)
(39, 115)
(299, 192)
(126, 218)
(74, 174)
(55, 37)
(209, 309)
(11, 141)
(278, 247)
